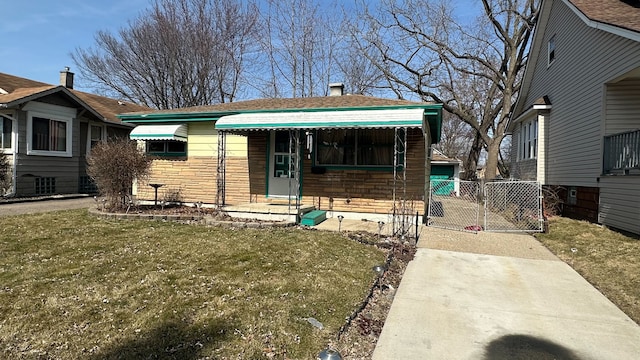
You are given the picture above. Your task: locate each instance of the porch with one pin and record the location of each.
(268, 211)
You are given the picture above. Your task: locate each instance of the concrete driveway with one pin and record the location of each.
(500, 296)
(30, 207)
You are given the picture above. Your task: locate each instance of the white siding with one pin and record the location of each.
(586, 59)
(622, 106)
(543, 128)
(620, 202)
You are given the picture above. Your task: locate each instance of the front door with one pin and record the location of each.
(281, 172)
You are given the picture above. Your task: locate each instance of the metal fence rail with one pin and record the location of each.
(507, 206)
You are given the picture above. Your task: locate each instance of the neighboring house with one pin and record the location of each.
(445, 168)
(575, 124)
(48, 130)
(349, 154)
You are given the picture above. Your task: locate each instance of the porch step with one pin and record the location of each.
(313, 218)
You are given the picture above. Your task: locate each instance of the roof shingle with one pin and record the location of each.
(20, 88)
(624, 14)
(288, 103)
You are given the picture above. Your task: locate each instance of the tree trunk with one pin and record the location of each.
(492, 159)
(471, 163)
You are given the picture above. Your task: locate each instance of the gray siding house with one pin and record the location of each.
(575, 125)
(48, 130)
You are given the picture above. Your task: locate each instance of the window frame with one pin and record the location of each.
(528, 140)
(51, 113)
(103, 133)
(166, 152)
(356, 152)
(13, 137)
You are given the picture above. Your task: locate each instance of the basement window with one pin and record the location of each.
(45, 185)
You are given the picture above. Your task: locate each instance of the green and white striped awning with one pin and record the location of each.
(389, 118)
(159, 132)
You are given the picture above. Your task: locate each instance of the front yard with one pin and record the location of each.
(74, 286)
(607, 259)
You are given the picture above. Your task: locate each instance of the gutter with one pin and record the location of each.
(14, 169)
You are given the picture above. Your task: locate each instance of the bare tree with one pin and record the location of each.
(357, 73)
(474, 68)
(298, 46)
(456, 137)
(179, 53)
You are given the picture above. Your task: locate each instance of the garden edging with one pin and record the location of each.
(202, 219)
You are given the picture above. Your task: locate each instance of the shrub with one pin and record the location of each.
(114, 165)
(5, 174)
(552, 201)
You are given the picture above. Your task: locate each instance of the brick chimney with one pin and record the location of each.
(66, 78)
(336, 89)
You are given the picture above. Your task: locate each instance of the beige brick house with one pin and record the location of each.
(346, 154)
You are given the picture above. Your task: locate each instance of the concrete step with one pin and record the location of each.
(313, 218)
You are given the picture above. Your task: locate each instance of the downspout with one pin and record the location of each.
(14, 167)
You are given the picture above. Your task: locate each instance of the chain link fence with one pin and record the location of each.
(507, 206)
(513, 206)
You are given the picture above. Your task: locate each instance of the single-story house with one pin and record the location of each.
(575, 126)
(47, 131)
(345, 154)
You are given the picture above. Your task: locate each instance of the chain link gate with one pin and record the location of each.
(508, 206)
(513, 206)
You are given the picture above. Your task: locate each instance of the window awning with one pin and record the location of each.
(159, 132)
(390, 118)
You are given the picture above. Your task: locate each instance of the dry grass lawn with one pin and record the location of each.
(607, 259)
(74, 286)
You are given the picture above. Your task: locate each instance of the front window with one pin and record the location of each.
(48, 135)
(529, 140)
(355, 147)
(6, 125)
(166, 148)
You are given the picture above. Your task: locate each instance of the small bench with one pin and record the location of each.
(313, 218)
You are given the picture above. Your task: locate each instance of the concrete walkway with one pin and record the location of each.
(500, 296)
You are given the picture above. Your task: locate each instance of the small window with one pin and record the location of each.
(45, 185)
(551, 51)
(96, 135)
(6, 125)
(167, 148)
